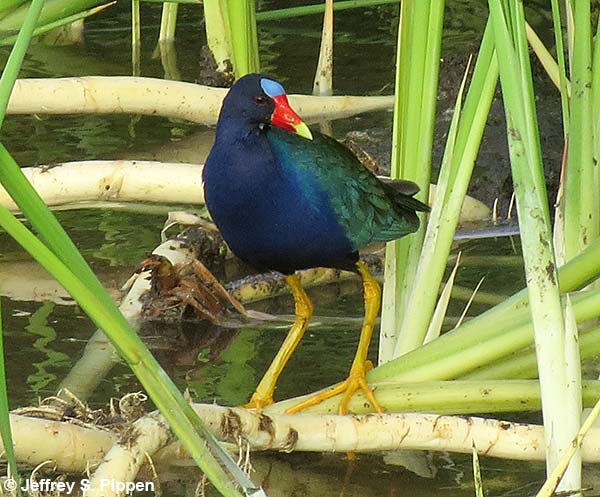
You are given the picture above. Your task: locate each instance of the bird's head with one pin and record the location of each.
(263, 100)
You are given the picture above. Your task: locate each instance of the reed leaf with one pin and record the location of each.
(581, 204)
(188, 2)
(437, 319)
(522, 364)
(448, 397)
(596, 105)
(7, 5)
(478, 481)
(323, 83)
(561, 418)
(52, 11)
(9, 40)
(455, 174)
(15, 59)
(493, 334)
(218, 38)
(417, 69)
(244, 36)
(136, 38)
(565, 86)
(168, 22)
(545, 58)
(558, 474)
(305, 10)
(5, 431)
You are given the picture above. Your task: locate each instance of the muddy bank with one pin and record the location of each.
(491, 176)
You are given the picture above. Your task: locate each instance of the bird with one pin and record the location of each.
(286, 198)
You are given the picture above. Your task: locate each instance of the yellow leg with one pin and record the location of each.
(356, 379)
(263, 396)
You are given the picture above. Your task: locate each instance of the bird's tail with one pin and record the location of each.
(402, 191)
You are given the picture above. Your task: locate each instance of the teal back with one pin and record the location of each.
(368, 210)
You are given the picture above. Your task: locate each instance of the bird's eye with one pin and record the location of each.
(260, 100)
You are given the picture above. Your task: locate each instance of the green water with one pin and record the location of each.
(44, 338)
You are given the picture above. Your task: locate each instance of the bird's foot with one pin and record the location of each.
(258, 402)
(356, 381)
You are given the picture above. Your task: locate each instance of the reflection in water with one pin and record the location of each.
(38, 325)
(307, 475)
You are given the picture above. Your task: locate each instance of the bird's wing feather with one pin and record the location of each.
(369, 210)
(400, 185)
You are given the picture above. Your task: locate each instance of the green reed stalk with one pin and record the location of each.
(522, 364)
(10, 40)
(232, 35)
(52, 11)
(7, 5)
(565, 92)
(496, 331)
(417, 69)
(305, 10)
(178, 2)
(323, 83)
(581, 198)
(244, 36)
(449, 397)
(5, 431)
(15, 59)
(168, 21)
(561, 413)
(218, 38)
(136, 38)
(455, 174)
(477, 480)
(547, 60)
(480, 351)
(560, 57)
(596, 104)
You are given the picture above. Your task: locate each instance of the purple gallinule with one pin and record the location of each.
(286, 198)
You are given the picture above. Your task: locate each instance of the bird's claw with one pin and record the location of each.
(356, 380)
(258, 402)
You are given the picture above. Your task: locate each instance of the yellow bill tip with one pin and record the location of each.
(303, 130)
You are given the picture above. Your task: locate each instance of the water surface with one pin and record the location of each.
(44, 338)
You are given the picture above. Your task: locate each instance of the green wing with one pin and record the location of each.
(368, 209)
